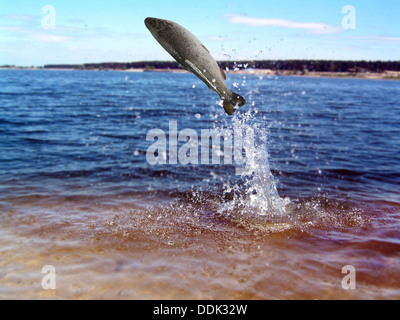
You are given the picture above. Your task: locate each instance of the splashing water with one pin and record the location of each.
(256, 193)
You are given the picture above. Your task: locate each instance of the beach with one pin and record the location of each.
(387, 75)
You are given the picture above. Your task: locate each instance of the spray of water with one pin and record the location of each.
(255, 194)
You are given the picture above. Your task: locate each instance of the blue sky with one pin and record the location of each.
(101, 31)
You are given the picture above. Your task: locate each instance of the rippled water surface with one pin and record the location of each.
(319, 191)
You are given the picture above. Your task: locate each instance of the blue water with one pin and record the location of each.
(85, 133)
(321, 191)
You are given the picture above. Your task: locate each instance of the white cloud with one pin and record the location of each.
(311, 27)
(21, 17)
(379, 39)
(27, 34)
(47, 37)
(394, 39)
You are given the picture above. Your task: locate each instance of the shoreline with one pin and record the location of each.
(387, 75)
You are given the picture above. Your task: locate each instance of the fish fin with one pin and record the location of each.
(223, 74)
(232, 104)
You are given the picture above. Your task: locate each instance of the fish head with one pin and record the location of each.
(157, 25)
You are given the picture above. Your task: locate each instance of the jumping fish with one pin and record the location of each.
(193, 56)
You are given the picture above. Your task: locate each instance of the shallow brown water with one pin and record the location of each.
(122, 248)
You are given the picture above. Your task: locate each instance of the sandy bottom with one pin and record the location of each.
(153, 247)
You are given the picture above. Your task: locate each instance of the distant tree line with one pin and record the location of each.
(329, 66)
(117, 65)
(275, 65)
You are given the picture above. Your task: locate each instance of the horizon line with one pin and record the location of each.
(173, 61)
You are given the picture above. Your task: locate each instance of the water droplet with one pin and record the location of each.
(214, 80)
(205, 71)
(197, 115)
(193, 86)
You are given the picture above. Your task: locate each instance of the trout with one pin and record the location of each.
(193, 56)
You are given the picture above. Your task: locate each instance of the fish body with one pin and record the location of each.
(193, 56)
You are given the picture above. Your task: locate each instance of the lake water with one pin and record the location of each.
(320, 191)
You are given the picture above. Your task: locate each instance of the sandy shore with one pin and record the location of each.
(387, 75)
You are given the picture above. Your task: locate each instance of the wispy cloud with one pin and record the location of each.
(18, 17)
(311, 27)
(29, 28)
(379, 39)
(29, 34)
(46, 37)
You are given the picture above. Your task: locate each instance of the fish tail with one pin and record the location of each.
(230, 105)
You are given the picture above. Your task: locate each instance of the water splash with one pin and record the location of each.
(256, 191)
